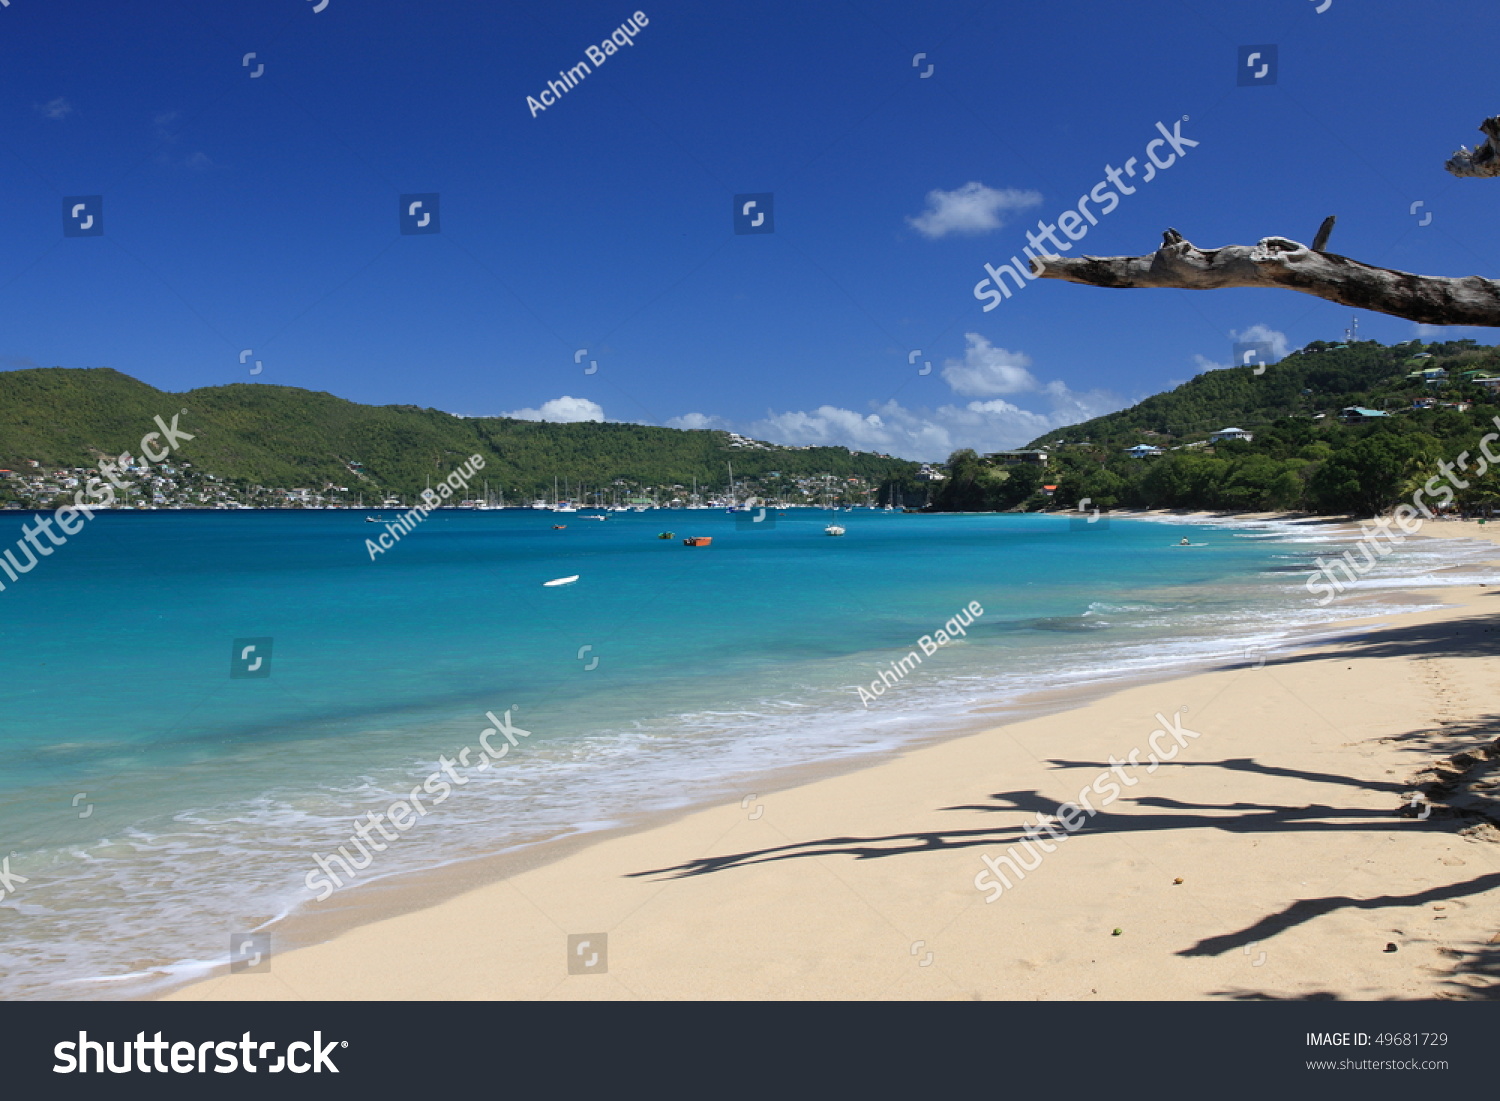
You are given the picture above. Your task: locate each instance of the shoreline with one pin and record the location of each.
(406, 892)
(391, 912)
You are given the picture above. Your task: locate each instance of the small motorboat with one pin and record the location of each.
(667, 535)
(697, 541)
(833, 529)
(560, 581)
(559, 527)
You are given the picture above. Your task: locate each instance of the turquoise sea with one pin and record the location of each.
(155, 803)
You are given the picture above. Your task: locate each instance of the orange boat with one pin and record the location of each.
(559, 527)
(697, 541)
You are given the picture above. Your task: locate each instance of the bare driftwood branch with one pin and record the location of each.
(1281, 262)
(1484, 161)
(1325, 231)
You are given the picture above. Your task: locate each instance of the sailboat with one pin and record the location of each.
(734, 497)
(596, 511)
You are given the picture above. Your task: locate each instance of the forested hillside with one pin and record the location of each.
(279, 436)
(1304, 455)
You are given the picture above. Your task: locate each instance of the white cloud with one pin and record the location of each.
(1074, 406)
(563, 410)
(1264, 333)
(695, 421)
(987, 371)
(922, 433)
(58, 108)
(927, 434)
(969, 210)
(1275, 338)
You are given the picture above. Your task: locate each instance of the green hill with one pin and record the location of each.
(1319, 378)
(1304, 455)
(283, 437)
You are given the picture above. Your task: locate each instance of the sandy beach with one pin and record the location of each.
(1325, 829)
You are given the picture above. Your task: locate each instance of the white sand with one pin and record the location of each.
(1281, 821)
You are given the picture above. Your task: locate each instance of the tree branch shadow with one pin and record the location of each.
(1262, 818)
(1476, 976)
(1306, 909)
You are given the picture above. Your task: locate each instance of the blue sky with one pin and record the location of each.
(261, 212)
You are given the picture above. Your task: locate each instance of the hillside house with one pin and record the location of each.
(1011, 458)
(1430, 376)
